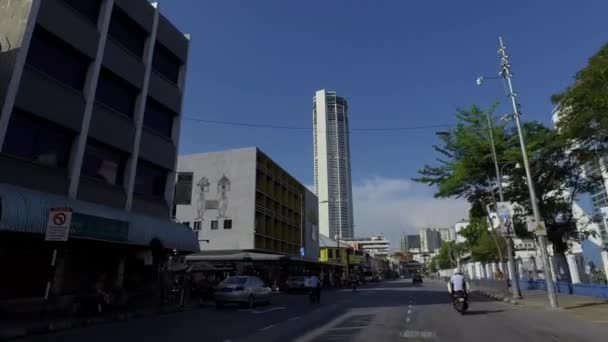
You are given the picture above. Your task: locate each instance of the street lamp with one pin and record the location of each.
(505, 73)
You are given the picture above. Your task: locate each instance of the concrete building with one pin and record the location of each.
(410, 243)
(376, 246)
(333, 184)
(241, 200)
(90, 97)
(430, 240)
(447, 234)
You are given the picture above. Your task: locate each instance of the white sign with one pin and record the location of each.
(58, 224)
(534, 227)
(505, 215)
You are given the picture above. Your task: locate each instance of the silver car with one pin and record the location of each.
(247, 290)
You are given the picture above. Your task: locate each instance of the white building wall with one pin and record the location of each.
(457, 228)
(210, 203)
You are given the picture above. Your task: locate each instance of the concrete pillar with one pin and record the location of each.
(489, 273)
(573, 267)
(478, 270)
(494, 269)
(60, 274)
(605, 261)
(470, 270)
(120, 273)
(534, 268)
(521, 269)
(552, 267)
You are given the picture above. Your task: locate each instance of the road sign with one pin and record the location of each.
(58, 224)
(534, 227)
(504, 211)
(301, 251)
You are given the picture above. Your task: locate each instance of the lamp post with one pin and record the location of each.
(505, 73)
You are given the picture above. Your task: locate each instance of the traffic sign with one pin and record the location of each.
(58, 224)
(537, 228)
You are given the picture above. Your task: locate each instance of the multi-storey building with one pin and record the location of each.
(333, 184)
(241, 200)
(90, 95)
(430, 240)
(376, 246)
(447, 234)
(410, 243)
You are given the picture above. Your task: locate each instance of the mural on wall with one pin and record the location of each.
(220, 203)
(223, 187)
(203, 187)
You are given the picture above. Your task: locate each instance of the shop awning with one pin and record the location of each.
(26, 211)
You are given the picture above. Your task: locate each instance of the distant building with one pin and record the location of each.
(376, 246)
(447, 234)
(240, 199)
(410, 243)
(332, 165)
(430, 240)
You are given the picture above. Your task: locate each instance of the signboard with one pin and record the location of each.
(504, 211)
(99, 228)
(534, 227)
(58, 224)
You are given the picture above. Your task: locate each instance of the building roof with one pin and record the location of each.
(325, 241)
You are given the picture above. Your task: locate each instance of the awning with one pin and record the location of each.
(244, 256)
(26, 211)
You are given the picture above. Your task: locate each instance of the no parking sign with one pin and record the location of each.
(58, 224)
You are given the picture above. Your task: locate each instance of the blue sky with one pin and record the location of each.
(399, 63)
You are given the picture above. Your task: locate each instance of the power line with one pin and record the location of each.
(300, 128)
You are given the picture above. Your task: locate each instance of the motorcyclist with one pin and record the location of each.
(458, 285)
(314, 285)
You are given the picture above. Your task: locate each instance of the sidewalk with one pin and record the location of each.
(11, 329)
(590, 309)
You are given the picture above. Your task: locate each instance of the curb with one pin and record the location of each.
(12, 334)
(499, 297)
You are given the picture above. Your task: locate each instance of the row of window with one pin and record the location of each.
(129, 34)
(43, 142)
(214, 225)
(51, 55)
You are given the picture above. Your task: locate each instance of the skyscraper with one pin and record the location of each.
(332, 165)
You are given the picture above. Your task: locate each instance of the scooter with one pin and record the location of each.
(460, 302)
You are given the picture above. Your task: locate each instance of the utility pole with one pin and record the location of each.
(510, 258)
(540, 235)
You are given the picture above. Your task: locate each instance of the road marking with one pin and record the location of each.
(409, 312)
(257, 312)
(409, 306)
(227, 341)
(267, 327)
(294, 318)
(407, 320)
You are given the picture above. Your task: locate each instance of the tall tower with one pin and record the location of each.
(332, 165)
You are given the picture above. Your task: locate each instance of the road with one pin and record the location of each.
(389, 311)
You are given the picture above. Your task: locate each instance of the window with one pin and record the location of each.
(166, 63)
(88, 8)
(183, 188)
(159, 118)
(214, 225)
(57, 59)
(197, 225)
(150, 180)
(35, 139)
(227, 224)
(103, 162)
(126, 32)
(115, 92)
(186, 223)
(330, 253)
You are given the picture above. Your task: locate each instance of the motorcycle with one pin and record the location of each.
(460, 302)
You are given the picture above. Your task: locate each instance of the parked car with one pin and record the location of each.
(295, 284)
(417, 278)
(244, 290)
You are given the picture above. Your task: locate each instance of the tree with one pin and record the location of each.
(466, 167)
(584, 108)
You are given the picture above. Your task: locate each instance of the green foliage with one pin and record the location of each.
(485, 249)
(466, 168)
(584, 107)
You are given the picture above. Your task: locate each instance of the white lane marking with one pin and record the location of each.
(409, 306)
(227, 341)
(257, 312)
(407, 320)
(294, 318)
(267, 327)
(409, 312)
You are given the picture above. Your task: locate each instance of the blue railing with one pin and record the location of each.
(589, 290)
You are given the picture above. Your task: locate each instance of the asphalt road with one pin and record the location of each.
(389, 311)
